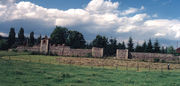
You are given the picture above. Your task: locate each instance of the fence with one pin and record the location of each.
(119, 64)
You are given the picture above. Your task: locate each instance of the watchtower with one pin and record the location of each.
(44, 46)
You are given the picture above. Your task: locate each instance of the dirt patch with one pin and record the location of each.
(114, 63)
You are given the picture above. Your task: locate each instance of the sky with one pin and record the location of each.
(120, 19)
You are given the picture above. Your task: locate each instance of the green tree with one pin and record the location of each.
(170, 50)
(21, 37)
(156, 47)
(138, 48)
(0, 37)
(144, 47)
(130, 45)
(59, 35)
(31, 40)
(119, 46)
(112, 47)
(123, 45)
(75, 39)
(3, 45)
(163, 50)
(39, 40)
(11, 37)
(149, 46)
(100, 41)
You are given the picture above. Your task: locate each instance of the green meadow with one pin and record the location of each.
(31, 72)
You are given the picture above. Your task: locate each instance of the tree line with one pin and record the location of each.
(75, 39)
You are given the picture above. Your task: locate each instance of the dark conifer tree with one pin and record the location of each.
(31, 40)
(130, 45)
(39, 40)
(144, 47)
(11, 37)
(21, 37)
(149, 46)
(123, 45)
(156, 47)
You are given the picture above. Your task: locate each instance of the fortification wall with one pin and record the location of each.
(122, 54)
(32, 49)
(80, 52)
(97, 52)
(67, 51)
(150, 56)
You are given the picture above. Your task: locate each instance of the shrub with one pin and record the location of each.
(89, 55)
(163, 61)
(156, 59)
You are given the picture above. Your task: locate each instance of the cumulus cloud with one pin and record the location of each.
(3, 34)
(99, 16)
(131, 10)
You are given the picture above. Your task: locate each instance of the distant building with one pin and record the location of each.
(178, 50)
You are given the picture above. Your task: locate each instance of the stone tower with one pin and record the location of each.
(44, 46)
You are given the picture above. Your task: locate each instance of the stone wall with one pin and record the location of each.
(62, 50)
(151, 56)
(25, 48)
(80, 52)
(97, 52)
(122, 54)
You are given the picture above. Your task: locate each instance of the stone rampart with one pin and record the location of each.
(122, 54)
(97, 52)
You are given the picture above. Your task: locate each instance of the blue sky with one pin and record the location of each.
(164, 8)
(141, 19)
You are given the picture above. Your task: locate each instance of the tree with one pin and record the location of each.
(21, 37)
(0, 37)
(144, 47)
(163, 50)
(11, 37)
(138, 48)
(170, 50)
(59, 35)
(119, 46)
(130, 45)
(156, 47)
(75, 39)
(150, 47)
(123, 45)
(39, 40)
(3, 45)
(100, 41)
(112, 47)
(31, 40)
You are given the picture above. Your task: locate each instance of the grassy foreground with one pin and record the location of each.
(20, 73)
(23, 69)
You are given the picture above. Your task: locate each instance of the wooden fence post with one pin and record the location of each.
(126, 65)
(137, 66)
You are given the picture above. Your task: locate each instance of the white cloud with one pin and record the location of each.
(101, 6)
(159, 34)
(131, 11)
(97, 17)
(155, 15)
(3, 34)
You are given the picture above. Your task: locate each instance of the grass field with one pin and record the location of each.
(31, 72)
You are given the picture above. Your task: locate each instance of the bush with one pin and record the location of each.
(163, 61)
(156, 59)
(89, 55)
(3, 45)
(36, 53)
(52, 54)
(14, 50)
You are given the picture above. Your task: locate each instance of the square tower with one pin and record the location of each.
(44, 46)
